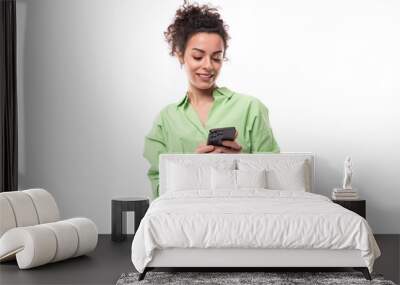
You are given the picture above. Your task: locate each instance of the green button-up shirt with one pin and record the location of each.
(178, 129)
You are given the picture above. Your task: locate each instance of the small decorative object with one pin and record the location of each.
(346, 192)
(348, 173)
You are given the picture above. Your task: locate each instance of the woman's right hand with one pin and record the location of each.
(204, 148)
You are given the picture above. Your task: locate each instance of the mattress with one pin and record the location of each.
(251, 219)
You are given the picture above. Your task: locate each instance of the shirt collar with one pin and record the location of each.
(217, 93)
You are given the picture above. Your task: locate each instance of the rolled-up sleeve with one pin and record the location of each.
(261, 135)
(154, 145)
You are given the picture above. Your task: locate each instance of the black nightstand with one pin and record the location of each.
(119, 207)
(357, 206)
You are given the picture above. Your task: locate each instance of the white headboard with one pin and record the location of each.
(201, 159)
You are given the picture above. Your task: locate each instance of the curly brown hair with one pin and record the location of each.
(191, 19)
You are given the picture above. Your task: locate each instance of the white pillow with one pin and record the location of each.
(281, 174)
(223, 179)
(226, 179)
(186, 175)
(288, 179)
(251, 178)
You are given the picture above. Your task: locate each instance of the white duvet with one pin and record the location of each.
(251, 218)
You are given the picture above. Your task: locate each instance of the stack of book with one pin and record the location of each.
(344, 194)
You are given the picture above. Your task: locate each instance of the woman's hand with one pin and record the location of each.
(228, 147)
(203, 148)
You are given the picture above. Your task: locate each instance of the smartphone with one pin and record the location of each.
(216, 136)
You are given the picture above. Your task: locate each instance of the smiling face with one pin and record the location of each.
(203, 59)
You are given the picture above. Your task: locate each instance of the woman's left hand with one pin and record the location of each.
(229, 147)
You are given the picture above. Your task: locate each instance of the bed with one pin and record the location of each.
(248, 210)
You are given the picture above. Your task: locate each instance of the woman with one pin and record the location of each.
(198, 38)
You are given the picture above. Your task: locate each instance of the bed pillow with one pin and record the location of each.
(184, 175)
(293, 178)
(251, 178)
(281, 174)
(223, 179)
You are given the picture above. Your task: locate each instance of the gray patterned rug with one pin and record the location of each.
(269, 278)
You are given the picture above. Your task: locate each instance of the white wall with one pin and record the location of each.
(93, 74)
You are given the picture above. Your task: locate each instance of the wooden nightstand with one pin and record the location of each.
(357, 206)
